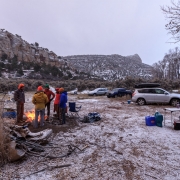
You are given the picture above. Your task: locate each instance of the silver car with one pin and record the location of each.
(98, 91)
(144, 96)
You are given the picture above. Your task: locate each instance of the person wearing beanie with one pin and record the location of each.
(40, 88)
(50, 96)
(61, 90)
(62, 104)
(39, 99)
(19, 97)
(56, 102)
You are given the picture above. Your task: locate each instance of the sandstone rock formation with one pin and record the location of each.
(13, 45)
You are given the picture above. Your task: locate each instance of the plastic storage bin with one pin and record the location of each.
(150, 121)
(159, 119)
(177, 125)
(9, 114)
(129, 101)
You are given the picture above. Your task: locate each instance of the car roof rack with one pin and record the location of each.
(147, 85)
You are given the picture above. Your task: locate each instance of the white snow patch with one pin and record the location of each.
(119, 146)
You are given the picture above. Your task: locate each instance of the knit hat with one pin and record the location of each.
(46, 86)
(56, 89)
(20, 86)
(40, 88)
(61, 90)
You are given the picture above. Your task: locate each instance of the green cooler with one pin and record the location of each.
(158, 119)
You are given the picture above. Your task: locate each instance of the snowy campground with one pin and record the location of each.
(119, 146)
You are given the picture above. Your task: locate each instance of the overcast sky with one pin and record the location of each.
(80, 27)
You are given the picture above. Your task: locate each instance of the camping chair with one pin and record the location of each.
(73, 109)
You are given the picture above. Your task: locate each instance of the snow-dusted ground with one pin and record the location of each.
(120, 146)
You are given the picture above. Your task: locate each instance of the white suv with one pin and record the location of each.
(144, 96)
(98, 91)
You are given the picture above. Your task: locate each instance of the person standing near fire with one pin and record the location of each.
(19, 97)
(62, 105)
(56, 102)
(50, 96)
(39, 99)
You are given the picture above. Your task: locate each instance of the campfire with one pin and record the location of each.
(30, 115)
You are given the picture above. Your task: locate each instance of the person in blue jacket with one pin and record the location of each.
(62, 104)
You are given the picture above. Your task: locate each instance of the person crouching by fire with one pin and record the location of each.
(39, 99)
(50, 96)
(62, 104)
(19, 97)
(56, 102)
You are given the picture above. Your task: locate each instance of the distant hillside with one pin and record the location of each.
(110, 67)
(135, 57)
(27, 56)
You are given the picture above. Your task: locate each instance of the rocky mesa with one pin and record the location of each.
(13, 45)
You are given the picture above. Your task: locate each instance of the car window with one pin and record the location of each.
(122, 90)
(143, 90)
(151, 91)
(101, 89)
(116, 90)
(147, 91)
(159, 91)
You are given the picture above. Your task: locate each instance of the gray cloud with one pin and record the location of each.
(73, 27)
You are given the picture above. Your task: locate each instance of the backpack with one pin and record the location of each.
(92, 117)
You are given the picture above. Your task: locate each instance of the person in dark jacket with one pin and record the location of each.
(19, 97)
(50, 96)
(62, 104)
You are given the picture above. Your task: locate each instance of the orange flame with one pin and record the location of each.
(31, 116)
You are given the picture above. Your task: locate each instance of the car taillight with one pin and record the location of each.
(133, 94)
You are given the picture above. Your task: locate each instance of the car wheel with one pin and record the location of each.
(94, 94)
(141, 101)
(174, 102)
(115, 96)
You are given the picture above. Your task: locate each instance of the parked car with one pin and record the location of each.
(98, 91)
(73, 91)
(119, 92)
(144, 96)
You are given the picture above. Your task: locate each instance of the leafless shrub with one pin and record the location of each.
(3, 136)
(68, 85)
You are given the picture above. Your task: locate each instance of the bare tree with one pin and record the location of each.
(172, 14)
(169, 67)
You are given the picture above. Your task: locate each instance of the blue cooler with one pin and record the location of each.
(150, 121)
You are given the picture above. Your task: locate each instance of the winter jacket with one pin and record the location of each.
(49, 93)
(40, 99)
(57, 98)
(63, 100)
(19, 96)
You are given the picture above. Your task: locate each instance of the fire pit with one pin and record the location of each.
(30, 116)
